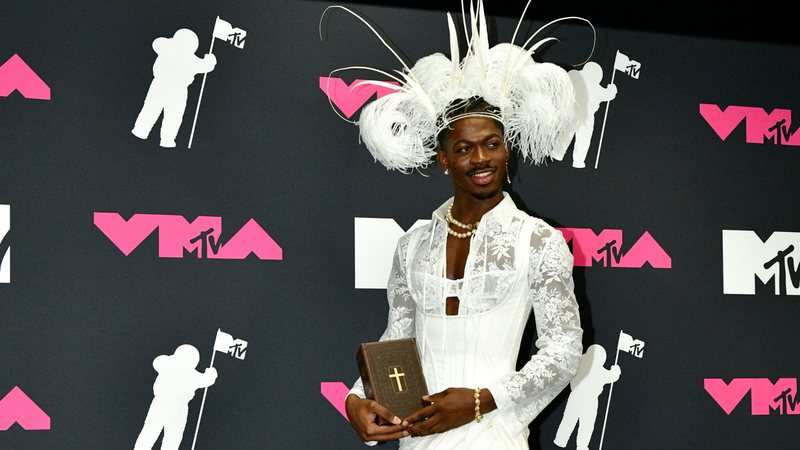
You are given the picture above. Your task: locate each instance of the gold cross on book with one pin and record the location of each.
(396, 375)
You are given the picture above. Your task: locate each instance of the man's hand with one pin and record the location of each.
(448, 409)
(364, 415)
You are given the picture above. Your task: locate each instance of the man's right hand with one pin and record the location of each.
(363, 415)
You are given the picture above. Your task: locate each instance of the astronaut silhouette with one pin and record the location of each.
(586, 387)
(588, 95)
(173, 72)
(173, 389)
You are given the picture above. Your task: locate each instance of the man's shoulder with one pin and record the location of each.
(541, 230)
(537, 223)
(415, 232)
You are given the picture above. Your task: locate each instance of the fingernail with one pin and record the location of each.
(405, 433)
(405, 423)
(396, 420)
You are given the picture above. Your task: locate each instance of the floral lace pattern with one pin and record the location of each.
(555, 310)
(491, 272)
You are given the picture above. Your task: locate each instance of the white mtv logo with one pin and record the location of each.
(375, 241)
(5, 256)
(745, 256)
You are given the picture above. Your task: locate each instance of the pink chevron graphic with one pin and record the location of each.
(15, 74)
(126, 234)
(250, 238)
(336, 392)
(350, 98)
(17, 407)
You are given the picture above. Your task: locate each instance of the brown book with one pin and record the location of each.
(392, 375)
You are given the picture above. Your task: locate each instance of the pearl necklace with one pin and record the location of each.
(470, 227)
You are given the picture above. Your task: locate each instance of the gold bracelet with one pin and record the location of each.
(478, 415)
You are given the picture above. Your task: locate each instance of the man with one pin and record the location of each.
(465, 284)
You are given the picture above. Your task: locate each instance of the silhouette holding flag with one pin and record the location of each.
(589, 94)
(172, 391)
(585, 387)
(173, 71)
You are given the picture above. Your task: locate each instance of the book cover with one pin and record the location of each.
(392, 374)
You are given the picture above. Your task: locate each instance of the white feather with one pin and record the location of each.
(536, 100)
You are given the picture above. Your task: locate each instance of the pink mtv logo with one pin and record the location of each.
(176, 234)
(15, 74)
(606, 248)
(350, 98)
(17, 407)
(761, 127)
(765, 397)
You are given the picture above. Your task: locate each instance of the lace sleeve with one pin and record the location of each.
(402, 308)
(555, 309)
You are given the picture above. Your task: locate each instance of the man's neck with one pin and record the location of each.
(469, 209)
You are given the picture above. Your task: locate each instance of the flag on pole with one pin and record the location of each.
(627, 65)
(630, 345)
(226, 343)
(228, 33)
(234, 36)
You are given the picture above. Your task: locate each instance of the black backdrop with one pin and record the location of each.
(81, 322)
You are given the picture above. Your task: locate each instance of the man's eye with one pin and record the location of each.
(494, 143)
(462, 149)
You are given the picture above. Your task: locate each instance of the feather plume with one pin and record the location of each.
(536, 101)
(455, 57)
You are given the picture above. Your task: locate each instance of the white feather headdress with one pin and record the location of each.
(535, 101)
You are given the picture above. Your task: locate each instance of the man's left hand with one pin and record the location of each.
(448, 409)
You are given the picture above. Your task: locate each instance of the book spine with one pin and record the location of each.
(365, 370)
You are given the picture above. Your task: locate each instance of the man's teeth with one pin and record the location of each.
(483, 174)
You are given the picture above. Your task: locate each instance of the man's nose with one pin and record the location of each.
(480, 154)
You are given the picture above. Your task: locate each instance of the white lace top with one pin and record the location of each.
(517, 264)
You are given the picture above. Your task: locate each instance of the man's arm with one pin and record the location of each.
(551, 294)
(449, 409)
(362, 412)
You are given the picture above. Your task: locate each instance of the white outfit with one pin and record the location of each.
(516, 264)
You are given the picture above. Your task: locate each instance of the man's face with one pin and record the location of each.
(476, 155)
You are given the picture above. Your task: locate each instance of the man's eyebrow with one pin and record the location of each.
(488, 137)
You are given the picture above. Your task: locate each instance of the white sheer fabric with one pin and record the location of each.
(517, 264)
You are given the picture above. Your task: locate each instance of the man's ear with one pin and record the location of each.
(441, 156)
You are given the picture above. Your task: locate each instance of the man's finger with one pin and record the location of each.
(421, 414)
(424, 427)
(377, 432)
(381, 411)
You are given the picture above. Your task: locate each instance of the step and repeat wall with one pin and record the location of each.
(193, 241)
